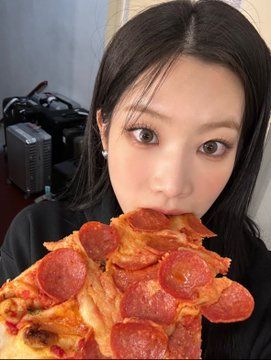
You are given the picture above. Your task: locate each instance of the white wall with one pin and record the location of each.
(258, 12)
(56, 40)
(260, 208)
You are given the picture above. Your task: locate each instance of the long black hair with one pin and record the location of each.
(149, 43)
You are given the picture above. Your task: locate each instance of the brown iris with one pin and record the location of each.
(210, 147)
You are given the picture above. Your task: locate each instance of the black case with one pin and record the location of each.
(55, 123)
(52, 121)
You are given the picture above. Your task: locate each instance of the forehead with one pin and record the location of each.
(191, 89)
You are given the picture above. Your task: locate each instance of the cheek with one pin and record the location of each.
(127, 166)
(212, 183)
(128, 173)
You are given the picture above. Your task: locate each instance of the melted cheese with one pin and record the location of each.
(63, 319)
(14, 347)
(99, 306)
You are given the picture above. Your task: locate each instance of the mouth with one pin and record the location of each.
(170, 212)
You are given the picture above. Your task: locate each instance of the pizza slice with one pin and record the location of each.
(136, 288)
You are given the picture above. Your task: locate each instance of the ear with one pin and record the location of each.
(102, 128)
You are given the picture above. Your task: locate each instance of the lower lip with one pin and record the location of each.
(170, 212)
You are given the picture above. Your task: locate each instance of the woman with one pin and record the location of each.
(177, 123)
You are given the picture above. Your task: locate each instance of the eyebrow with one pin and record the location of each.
(227, 123)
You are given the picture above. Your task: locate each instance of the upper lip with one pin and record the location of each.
(170, 212)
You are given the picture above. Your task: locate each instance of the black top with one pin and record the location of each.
(50, 221)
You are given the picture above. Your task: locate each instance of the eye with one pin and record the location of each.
(216, 148)
(144, 135)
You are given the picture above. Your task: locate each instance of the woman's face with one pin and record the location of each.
(179, 154)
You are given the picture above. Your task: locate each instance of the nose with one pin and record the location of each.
(173, 176)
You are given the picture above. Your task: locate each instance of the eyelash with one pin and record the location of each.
(143, 126)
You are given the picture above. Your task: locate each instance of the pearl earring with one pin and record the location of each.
(105, 154)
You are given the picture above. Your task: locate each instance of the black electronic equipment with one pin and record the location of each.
(55, 113)
(29, 157)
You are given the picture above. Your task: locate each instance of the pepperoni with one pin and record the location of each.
(146, 300)
(196, 226)
(89, 349)
(125, 278)
(62, 273)
(11, 328)
(185, 342)
(235, 304)
(182, 273)
(58, 351)
(148, 220)
(138, 340)
(98, 240)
